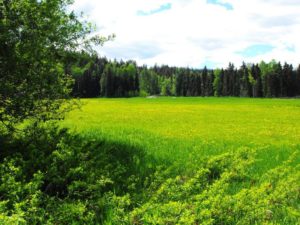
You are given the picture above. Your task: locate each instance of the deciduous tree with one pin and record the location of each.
(35, 37)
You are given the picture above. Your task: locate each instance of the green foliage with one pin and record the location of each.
(206, 196)
(126, 79)
(70, 180)
(217, 84)
(36, 37)
(20, 198)
(167, 86)
(149, 82)
(119, 80)
(146, 169)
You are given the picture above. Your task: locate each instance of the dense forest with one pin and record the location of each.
(95, 76)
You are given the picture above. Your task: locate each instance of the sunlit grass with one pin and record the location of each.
(181, 131)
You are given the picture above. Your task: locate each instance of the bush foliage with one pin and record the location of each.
(61, 178)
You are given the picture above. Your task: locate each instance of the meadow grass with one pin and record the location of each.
(181, 130)
(203, 161)
(158, 161)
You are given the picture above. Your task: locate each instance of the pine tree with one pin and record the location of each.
(230, 75)
(298, 81)
(210, 81)
(198, 84)
(179, 83)
(276, 76)
(244, 81)
(258, 87)
(204, 81)
(107, 81)
(226, 83)
(290, 80)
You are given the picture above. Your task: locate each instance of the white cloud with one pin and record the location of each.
(193, 32)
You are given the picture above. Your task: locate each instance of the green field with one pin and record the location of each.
(249, 140)
(181, 129)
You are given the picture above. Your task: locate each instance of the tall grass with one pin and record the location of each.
(184, 129)
(215, 160)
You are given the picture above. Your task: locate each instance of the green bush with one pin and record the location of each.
(51, 176)
(207, 196)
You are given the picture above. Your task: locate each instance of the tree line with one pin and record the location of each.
(97, 76)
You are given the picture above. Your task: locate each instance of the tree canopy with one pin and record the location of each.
(96, 76)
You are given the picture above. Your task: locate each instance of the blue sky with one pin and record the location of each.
(256, 50)
(160, 9)
(226, 5)
(195, 33)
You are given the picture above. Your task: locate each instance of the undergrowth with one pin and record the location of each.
(52, 176)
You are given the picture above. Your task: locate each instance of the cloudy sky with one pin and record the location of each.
(195, 33)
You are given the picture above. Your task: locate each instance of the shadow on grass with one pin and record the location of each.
(77, 167)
